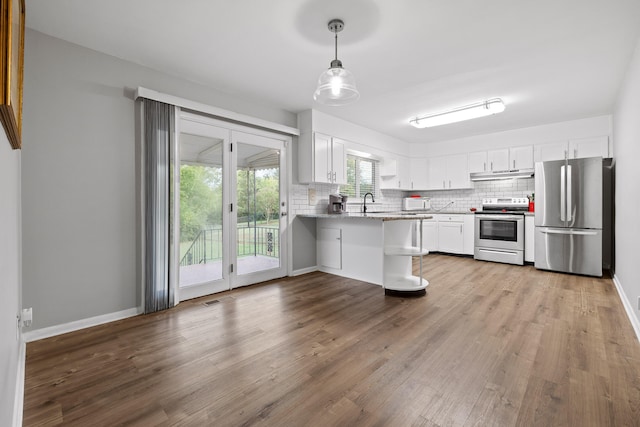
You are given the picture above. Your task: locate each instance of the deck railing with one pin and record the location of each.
(207, 245)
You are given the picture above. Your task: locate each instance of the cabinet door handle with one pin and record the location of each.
(335, 176)
(492, 165)
(514, 164)
(575, 153)
(449, 183)
(484, 166)
(329, 176)
(460, 228)
(398, 184)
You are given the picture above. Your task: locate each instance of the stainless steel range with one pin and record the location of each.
(499, 230)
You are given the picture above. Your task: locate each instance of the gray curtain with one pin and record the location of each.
(158, 141)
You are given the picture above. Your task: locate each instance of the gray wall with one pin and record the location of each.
(79, 176)
(9, 276)
(626, 131)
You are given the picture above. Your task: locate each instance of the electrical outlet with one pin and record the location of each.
(312, 196)
(27, 317)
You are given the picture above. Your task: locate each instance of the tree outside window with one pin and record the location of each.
(361, 176)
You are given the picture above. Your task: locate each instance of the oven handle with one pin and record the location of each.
(501, 217)
(495, 251)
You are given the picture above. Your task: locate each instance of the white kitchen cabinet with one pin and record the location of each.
(478, 162)
(498, 160)
(449, 172)
(321, 158)
(429, 234)
(388, 168)
(521, 157)
(329, 247)
(419, 170)
(589, 147)
(402, 179)
(573, 149)
(451, 233)
(469, 234)
(510, 158)
(551, 151)
(529, 235)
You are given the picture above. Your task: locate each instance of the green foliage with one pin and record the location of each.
(200, 199)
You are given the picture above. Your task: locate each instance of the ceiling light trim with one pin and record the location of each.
(472, 111)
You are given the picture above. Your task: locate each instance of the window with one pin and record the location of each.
(362, 176)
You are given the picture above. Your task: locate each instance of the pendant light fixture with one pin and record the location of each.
(468, 112)
(336, 86)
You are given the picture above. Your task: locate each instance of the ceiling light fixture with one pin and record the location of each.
(480, 109)
(336, 86)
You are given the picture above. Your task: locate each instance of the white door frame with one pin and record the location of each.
(207, 125)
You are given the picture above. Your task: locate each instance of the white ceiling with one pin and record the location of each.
(549, 60)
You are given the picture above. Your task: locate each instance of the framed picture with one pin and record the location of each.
(11, 68)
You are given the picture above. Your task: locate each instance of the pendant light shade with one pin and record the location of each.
(336, 86)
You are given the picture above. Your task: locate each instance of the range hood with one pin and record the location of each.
(490, 176)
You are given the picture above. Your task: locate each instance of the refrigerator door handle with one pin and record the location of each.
(569, 207)
(563, 200)
(570, 232)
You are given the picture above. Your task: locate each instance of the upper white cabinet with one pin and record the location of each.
(574, 149)
(449, 172)
(321, 158)
(521, 157)
(551, 151)
(589, 147)
(419, 171)
(498, 160)
(478, 162)
(510, 158)
(401, 180)
(502, 159)
(388, 168)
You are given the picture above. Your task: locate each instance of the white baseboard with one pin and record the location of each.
(52, 331)
(628, 307)
(18, 402)
(304, 271)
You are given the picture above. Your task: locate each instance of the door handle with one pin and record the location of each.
(283, 214)
(563, 201)
(569, 194)
(571, 232)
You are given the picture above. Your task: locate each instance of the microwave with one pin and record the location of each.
(416, 203)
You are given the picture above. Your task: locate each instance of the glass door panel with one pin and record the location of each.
(259, 208)
(203, 236)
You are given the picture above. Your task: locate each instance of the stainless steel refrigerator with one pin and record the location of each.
(573, 215)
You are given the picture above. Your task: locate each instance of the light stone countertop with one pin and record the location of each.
(380, 216)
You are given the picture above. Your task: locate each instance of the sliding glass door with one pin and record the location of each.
(232, 206)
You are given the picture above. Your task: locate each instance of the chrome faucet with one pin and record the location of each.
(364, 199)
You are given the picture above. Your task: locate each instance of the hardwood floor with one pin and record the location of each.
(490, 344)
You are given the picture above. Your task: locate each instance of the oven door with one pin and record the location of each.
(499, 231)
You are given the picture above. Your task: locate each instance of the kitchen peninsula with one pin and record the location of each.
(372, 247)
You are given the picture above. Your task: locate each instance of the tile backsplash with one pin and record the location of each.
(391, 200)
(462, 200)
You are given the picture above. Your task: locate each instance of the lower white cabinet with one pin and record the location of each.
(469, 234)
(529, 234)
(329, 247)
(451, 233)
